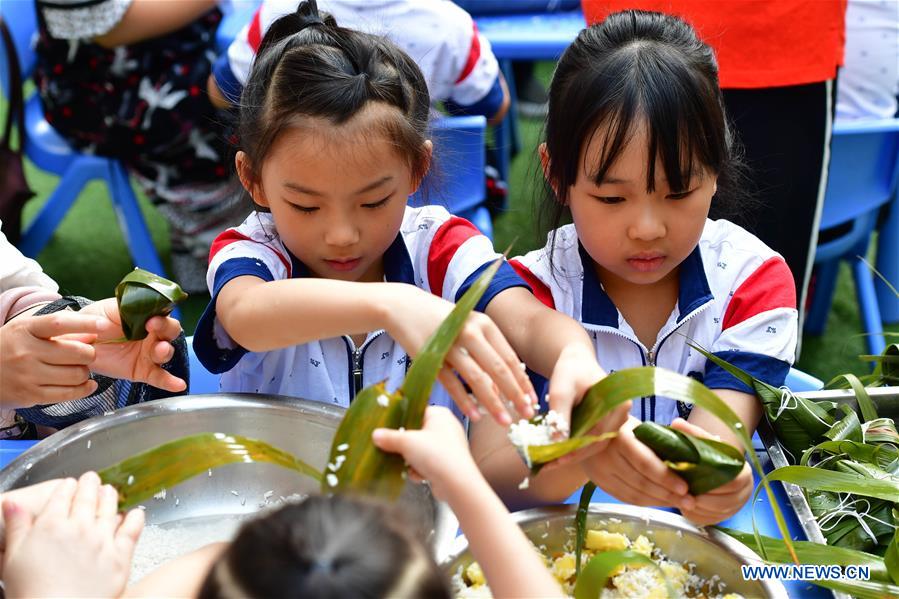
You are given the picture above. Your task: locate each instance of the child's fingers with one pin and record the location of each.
(166, 328)
(388, 439)
(84, 504)
(645, 466)
(58, 393)
(17, 522)
(128, 532)
(521, 391)
(480, 382)
(60, 502)
(107, 509)
(457, 392)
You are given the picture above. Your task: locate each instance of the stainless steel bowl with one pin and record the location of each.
(304, 428)
(713, 552)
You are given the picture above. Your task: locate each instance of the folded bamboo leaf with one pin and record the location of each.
(355, 463)
(631, 383)
(880, 430)
(847, 428)
(798, 422)
(705, 464)
(604, 566)
(143, 475)
(886, 372)
(580, 523)
(849, 531)
(885, 456)
(141, 295)
(838, 482)
(812, 553)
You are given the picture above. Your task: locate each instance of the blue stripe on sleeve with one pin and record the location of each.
(226, 80)
(215, 359)
(505, 278)
(765, 368)
(486, 106)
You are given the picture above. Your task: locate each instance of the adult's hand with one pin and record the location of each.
(44, 359)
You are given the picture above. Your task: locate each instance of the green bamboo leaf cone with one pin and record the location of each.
(705, 464)
(141, 295)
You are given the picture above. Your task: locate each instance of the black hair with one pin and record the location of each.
(634, 67)
(308, 66)
(326, 547)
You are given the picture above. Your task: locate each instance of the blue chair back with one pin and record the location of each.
(20, 17)
(863, 169)
(456, 179)
(796, 381)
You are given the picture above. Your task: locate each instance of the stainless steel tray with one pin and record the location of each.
(712, 551)
(885, 399)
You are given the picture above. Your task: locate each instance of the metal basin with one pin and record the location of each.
(713, 552)
(304, 428)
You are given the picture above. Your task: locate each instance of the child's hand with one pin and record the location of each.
(135, 360)
(438, 453)
(75, 546)
(721, 503)
(629, 471)
(481, 356)
(574, 373)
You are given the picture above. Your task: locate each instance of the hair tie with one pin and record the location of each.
(310, 21)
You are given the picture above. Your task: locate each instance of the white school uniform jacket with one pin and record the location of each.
(433, 250)
(737, 299)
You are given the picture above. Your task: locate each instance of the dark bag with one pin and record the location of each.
(14, 190)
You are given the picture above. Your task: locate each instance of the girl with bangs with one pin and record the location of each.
(637, 148)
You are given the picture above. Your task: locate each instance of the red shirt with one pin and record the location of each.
(759, 43)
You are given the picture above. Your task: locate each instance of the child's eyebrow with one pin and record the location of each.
(306, 190)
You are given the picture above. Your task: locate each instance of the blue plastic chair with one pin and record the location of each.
(456, 179)
(201, 380)
(864, 165)
(50, 152)
(802, 381)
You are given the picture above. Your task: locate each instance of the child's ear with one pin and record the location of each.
(545, 164)
(419, 175)
(248, 178)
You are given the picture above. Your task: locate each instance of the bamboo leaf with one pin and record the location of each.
(848, 428)
(705, 464)
(798, 422)
(881, 430)
(866, 406)
(837, 482)
(861, 589)
(143, 475)
(355, 463)
(538, 455)
(142, 295)
(885, 456)
(427, 364)
(891, 557)
(580, 521)
(604, 566)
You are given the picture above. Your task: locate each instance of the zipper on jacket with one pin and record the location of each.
(357, 363)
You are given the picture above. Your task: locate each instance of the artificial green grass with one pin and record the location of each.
(88, 256)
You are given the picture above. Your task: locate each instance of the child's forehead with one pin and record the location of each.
(364, 138)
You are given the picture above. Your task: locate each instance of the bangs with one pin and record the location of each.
(684, 120)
